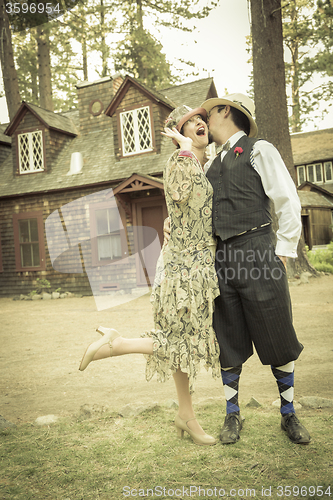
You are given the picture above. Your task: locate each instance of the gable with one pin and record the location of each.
(40, 117)
(130, 88)
(135, 106)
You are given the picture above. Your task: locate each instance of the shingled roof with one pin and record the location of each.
(100, 166)
(192, 94)
(56, 121)
(309, 147)
(313, 199)
(4, 139)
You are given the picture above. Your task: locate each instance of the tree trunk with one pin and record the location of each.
(270, 94)
(296, 116)
(104, 48)
(9, 74)
(44, 69)
(84, 58)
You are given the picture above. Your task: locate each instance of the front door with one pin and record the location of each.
(149, 214)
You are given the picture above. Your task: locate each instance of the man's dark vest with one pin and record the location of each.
(239, 201)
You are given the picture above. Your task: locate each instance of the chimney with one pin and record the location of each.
(94, 98)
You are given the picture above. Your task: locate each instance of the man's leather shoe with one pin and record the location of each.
(295, 430)
(233, 424)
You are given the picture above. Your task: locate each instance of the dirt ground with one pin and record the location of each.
(42, 343)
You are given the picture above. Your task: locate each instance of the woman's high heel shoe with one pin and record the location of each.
(108, 337)
(201, 439)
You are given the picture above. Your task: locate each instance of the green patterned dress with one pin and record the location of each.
(185, 283)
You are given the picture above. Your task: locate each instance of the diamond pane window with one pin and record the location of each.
(30, 147)
(136, 131)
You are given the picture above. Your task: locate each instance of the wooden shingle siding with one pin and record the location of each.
(13, 282)
(102, 92)
(320, 221)
(55, 142)
(75, 262)
(134, 98)
(4, 152)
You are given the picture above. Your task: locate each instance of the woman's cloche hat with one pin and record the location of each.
(180, 115)
(238, 101)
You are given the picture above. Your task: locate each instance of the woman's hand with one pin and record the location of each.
(166, 231)
(185, 143)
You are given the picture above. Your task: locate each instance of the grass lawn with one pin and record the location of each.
(109, 457)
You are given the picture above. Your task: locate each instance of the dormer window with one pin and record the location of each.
(136, 134)
(328, 171)
(315, 174)
(30, 152)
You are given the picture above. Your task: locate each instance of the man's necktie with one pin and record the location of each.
(224, 147)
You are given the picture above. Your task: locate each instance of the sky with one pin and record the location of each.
(218, 48)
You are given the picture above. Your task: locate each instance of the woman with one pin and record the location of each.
(185, 284)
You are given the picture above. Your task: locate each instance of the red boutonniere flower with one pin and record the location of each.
(238, 151)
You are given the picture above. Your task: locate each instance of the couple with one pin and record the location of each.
(220, 258)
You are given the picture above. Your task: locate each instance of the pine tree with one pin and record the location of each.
(140, 53)
(308, 34)
(270, 92)
(9, 73)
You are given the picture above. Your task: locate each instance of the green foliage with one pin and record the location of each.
(322, 259)
(42, 285)
(140, 55)
(31, 14)
(90, 31)
(63, 76)
(308, 34)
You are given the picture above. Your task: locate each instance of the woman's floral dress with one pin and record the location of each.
(185, 283)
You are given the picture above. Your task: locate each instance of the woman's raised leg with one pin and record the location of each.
(112, 344)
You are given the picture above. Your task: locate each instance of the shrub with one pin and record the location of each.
(42, 285)
(322, 259)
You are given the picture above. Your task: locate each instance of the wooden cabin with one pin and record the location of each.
(313, 158)
(81, 193)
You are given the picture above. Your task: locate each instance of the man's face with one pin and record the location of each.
(214, 122)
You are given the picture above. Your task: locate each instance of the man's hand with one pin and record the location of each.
(283, 259)
(166, 231)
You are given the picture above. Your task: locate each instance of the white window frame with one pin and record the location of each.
(32, 167)
(136, 132)
(110, 235)
(329, 163)
(304, 174)
(314, 165)
(95, 235)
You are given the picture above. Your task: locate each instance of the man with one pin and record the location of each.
(254, 307)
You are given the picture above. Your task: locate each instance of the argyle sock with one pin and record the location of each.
(284, 376)
(230, 379)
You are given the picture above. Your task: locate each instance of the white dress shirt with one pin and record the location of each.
(280, 189)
